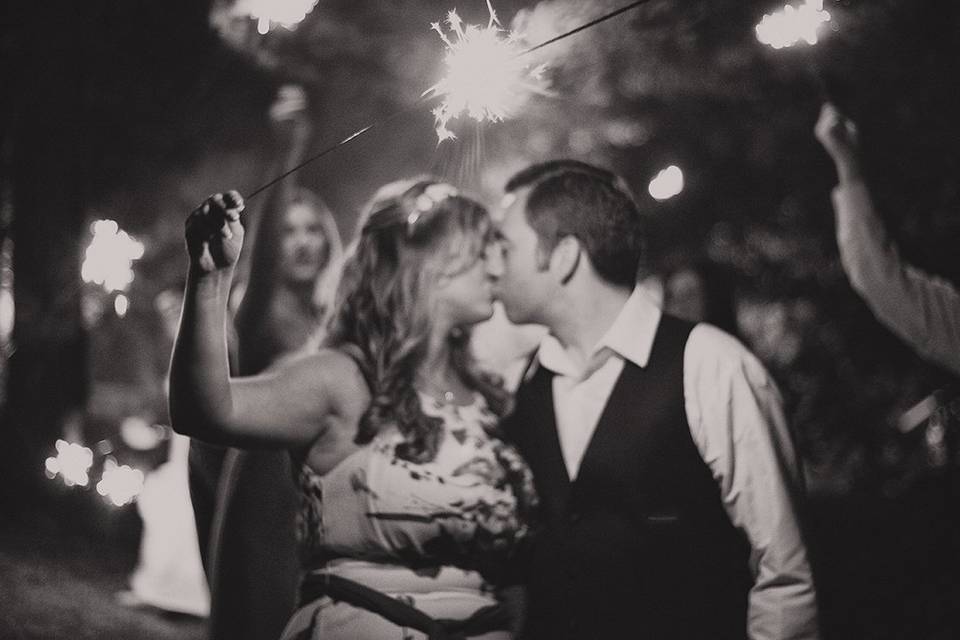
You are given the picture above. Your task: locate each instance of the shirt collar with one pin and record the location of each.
(629, 337)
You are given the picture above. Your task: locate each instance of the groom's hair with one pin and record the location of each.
(572, 198)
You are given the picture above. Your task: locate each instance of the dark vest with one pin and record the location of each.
(638, 545)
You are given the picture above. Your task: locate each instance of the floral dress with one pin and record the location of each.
(437, 535)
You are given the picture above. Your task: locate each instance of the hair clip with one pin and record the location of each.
(432, 195)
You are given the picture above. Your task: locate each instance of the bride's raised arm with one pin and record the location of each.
(285, 407)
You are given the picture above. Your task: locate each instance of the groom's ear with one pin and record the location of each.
(566, 258)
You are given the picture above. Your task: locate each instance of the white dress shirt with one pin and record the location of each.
(737, 423)
(923, 309)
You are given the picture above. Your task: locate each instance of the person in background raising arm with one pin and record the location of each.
(921, 308)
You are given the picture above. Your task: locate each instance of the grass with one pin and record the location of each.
(61, 567)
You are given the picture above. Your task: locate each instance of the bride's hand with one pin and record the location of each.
(214, 234)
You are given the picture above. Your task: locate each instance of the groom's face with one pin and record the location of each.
(524, 282)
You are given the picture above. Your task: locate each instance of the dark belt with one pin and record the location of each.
(317, 585)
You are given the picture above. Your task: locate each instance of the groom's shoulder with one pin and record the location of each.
(715, 352)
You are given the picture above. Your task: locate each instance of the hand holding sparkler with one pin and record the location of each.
(214, 234)
(839, 136)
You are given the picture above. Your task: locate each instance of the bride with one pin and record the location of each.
(412, 509)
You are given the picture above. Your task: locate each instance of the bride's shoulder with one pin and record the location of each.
(331, 369)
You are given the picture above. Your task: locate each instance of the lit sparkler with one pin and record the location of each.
(268, 13)
(486, 79)
(793, 25)
(109, 257)
(120, 483)
(72, 463)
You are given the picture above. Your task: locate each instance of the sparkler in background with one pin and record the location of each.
(793, 25)
(267, 13)
(72, 463)
(108, 260)
(486, 77)
(120, 483)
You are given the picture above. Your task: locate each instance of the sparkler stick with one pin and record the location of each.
(793, 26)
(429, 94)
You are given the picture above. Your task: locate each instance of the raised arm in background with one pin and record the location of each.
(923, 309)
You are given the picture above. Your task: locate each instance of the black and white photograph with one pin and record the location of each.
(480, 320)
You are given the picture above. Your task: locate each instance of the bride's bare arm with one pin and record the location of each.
(285, 407)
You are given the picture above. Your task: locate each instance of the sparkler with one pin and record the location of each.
(109, 258)
(510, 82)
(793, 25)
(72, 463)
(120, 483)
(486, 77)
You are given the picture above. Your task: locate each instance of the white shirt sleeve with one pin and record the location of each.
(736, 419)
(923, 309)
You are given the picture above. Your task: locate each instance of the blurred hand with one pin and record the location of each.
(288, 113)
(839, 136)
(214, 233)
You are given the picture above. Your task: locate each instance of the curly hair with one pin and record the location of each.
(411, 232)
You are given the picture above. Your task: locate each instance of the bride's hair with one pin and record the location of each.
(411, 232)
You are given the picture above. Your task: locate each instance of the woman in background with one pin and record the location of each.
(246, 511)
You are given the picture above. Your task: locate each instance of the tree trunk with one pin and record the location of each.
(47, 374)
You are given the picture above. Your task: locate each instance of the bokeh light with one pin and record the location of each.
(268, 13)
(121, 304)
(120, 483)
(108, 260)
(667, 183)
(793, 25)
(71, 463)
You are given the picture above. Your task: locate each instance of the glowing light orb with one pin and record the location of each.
(667, 183)
(793, 25)
(267, 13)
(72, 463)
(486, 78)
(120, 483)
(109, 259)
(121, 304)
(7, 313)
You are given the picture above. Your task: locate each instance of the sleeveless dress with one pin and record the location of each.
(437, 535)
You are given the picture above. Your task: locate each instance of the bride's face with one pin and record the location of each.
(463, 292)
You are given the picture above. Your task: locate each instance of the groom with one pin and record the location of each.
(667, 476)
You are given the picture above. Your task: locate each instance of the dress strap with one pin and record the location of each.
(318, 584)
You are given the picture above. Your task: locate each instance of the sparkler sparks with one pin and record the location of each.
(486, 78)
(120, 483)
(72, 463)
(793, 25)
(108, 260)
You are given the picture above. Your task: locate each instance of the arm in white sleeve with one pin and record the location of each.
(736, 420)
(923, 309)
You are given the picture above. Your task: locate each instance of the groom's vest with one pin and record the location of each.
(638, 545)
